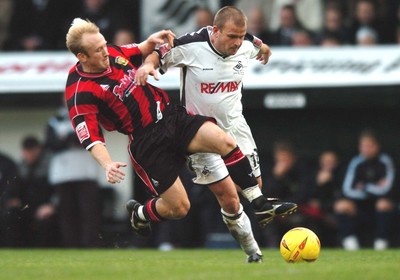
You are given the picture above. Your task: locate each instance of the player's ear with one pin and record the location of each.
(215, 29)
(82, 57)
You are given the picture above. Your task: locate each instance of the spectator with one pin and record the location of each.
(366, 37)
(288, 179)
(9, 205)
(257, 25)
(35, 197)
(288, 24)
(308, 12)
(366, 16)
(107, 15)
(326, 189)
(302, 38)
(204, 17)
(6, 10)
(334, 27)
(367, 202)
(74, 175)
(330, 41)
(123, 36)
(38, 24)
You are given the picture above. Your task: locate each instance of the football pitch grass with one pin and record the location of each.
(189, 264)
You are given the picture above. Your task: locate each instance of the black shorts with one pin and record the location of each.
(160, 151)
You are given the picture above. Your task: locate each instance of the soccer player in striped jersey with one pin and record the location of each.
(101, 92)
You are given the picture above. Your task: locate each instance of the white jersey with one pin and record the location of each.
(211, 83)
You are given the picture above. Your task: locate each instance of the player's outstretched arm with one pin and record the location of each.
(264, 54)
(149, 67)
(160, 37)
(113, 172)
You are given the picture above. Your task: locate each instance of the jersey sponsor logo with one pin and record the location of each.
(129, 46)
(221, 87)
(82, 131)
(121, 60)
(126, 86)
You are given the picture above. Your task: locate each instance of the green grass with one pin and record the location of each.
(193, 264)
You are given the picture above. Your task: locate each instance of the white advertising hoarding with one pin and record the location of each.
(31, 72)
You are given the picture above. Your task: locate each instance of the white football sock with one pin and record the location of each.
(141, 214)
(240, 227)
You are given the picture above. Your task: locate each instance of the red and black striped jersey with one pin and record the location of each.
(111, 99)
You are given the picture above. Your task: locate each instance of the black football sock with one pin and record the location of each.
(239, 169)
(149, 212)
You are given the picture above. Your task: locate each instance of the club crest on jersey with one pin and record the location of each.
(121, 60)
(205, 171)
(238, 69)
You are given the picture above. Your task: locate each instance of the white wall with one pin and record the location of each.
(15, 124)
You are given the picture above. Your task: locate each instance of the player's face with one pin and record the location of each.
(96, 58)
(229, 38)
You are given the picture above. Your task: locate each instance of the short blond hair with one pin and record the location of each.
(75, 32)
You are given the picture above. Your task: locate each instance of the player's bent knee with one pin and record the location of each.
(180, 210)
(232, 207)
(231, 204)
(230, 143)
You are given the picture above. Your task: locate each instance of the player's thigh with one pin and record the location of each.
(211, 139)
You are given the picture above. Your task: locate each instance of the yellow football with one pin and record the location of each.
(300, 245)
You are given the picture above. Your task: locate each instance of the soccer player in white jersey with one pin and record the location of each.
(213, 61)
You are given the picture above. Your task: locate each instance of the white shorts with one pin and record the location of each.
(210, 168)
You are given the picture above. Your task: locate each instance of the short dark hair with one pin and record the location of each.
(228, 13)
(30, 142)
(284, 145)
(369, 133)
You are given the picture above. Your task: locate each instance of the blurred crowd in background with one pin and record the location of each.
(47, 200)
(41, 24)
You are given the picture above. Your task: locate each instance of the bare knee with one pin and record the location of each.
(345, 206)
(173, 209)
(230, 143)
(231, 206)
(180, 209)
(225, 145)
(384, 205)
